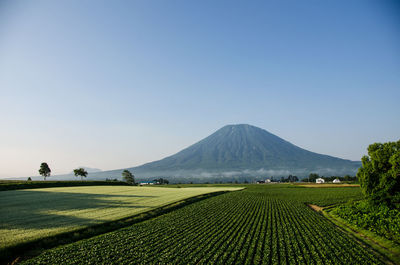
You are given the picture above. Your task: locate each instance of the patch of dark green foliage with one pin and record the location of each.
(19, 185)
(381, 219)
(379, 175)
(379, 179)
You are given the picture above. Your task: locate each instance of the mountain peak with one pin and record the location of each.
(246, 128)
(245, 148)
(241, 126)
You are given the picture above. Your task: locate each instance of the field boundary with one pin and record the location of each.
(327, 185)
(22, 185)
(13, 255)
(388, 250)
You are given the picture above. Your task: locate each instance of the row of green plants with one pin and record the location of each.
(29, 248)
(318, 196)
(259, 225)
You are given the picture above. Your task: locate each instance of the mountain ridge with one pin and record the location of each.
(244, 149)
(239, 150)
(262, 150)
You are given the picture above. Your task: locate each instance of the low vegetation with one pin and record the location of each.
(29, 215)
(264, 224)
(381, 220)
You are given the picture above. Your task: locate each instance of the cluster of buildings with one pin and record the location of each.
(318, 180)
(321, 180)
(263, 181)
(144, 183)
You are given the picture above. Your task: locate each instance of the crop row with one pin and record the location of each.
(254, 226)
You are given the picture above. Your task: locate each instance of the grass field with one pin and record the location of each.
(263, 224)
(27, 215)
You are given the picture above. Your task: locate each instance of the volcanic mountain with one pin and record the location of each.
(242, 150)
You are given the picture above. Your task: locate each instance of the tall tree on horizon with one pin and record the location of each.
(44, 170)
(128, 177)
(80, 172)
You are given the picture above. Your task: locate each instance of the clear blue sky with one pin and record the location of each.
(114, 84)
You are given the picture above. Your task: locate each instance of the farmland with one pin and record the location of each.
(268, 224)
(32, 214)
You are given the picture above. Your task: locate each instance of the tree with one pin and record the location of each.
(379, 175)
(80, 172)
(128, 177)
(44, 170)
(292, 178)
(161, 181)
(312, 177)
(29, 179)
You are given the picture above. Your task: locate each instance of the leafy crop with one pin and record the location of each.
(259, 225)
(28, 215)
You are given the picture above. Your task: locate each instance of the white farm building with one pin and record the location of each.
(319, 180)
(336, 181)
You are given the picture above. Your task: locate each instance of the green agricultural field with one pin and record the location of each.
(263, 224)
(27, 215)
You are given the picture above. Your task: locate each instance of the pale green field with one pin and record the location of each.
(26, 215)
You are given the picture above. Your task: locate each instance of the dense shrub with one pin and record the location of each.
(379, 175)
(381, 219)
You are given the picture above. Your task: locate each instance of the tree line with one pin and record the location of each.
(313, 176)
(127, 176)
(45, 171)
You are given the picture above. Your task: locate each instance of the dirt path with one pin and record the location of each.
(315, 207)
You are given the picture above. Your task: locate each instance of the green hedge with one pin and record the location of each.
(17, 185)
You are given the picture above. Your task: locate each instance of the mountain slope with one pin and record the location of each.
(240, 150)
(248, 150)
